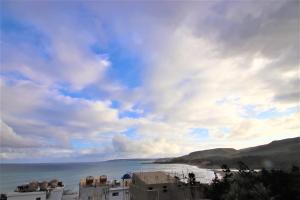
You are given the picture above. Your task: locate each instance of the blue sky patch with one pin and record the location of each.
(202, 133)
(273, 113)
(250, 112)
(130, 114)
(90, 92)
(79, 144)
(131, 133)
(19, 32)
(125, 66)
(13, 75)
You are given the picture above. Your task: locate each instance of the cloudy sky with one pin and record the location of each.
(91, 80)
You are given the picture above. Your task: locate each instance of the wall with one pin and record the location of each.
(56, 193)
(159, 191)
(27, 196)
(123, 194)
(96, 193)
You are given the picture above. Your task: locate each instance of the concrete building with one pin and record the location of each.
(94, 188)
(152, 186)
(162, 186)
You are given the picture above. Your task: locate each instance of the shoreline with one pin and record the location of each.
(215, 169)
(71, 174)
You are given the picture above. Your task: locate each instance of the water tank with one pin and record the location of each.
(126, 176)
(53, 183)
(43, 185)
(103, 179)
(33, 186)
(89, 180)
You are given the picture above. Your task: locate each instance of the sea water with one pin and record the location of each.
(12, 175)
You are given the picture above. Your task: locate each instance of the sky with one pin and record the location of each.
(97, 80)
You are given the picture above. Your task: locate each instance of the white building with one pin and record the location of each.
(126, 180)
(26, 196)
(70, 197)
(37, 191)
(119, 193)
(99, 188)
(91, 188)
(53, 194)
(120, 190)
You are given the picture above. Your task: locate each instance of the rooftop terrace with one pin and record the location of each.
(155, 177)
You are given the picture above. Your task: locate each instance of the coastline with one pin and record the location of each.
(215, 169)
(71, 173)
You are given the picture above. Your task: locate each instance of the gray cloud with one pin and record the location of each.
(12, 140)
(289, 97)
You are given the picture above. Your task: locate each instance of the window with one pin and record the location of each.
(165, 190)
(114, 194)
(150, 188)
(38, 198)
(165, 187)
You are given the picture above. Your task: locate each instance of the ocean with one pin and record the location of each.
(12, 175)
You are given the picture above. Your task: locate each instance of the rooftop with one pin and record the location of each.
(91, 181)
(35, 186)
(155, 177)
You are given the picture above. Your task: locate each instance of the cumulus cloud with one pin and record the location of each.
(279, 127)
(10, 139)
(212, 66)
(148, 148)
(63, 115)
(208, 81)
(60, 47)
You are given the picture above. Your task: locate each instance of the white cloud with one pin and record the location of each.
(10, 139)
(146, 148)
(202, 70)
(61, 47)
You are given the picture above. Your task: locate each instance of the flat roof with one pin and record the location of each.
(157, 177)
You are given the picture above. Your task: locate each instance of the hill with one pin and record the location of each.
(277, 154)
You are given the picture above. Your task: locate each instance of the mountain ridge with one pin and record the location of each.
(276, 154)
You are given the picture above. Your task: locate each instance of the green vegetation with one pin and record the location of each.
(247, 184)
